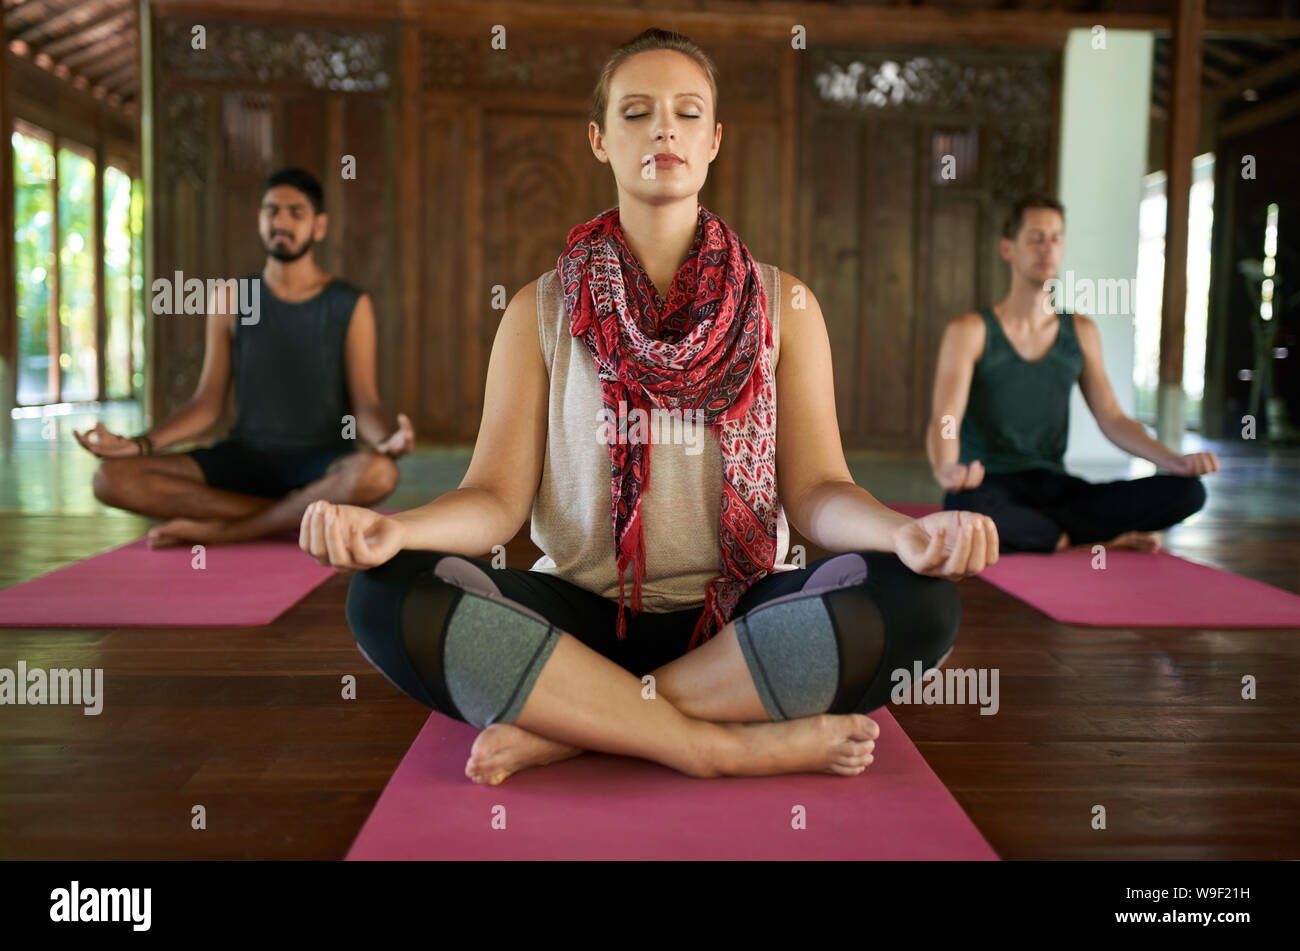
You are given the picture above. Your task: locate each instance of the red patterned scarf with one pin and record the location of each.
(707, 349)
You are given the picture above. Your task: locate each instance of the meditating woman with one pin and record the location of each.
(728, 661)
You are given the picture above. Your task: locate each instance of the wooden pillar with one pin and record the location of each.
(97, 244)
(409, 215)
(1180, 149)
(149, 193)
(8, 293)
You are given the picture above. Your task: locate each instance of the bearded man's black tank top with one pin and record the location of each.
(289, 373)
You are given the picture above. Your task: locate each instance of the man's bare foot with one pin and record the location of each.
(827, 743)
(503, 749)
(181, 531)
(1138, 541)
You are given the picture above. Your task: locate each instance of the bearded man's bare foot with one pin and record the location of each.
(183, 531)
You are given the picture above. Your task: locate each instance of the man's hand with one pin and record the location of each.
(956, 477)
(349, 537)
(1195, 464)
(400, 442)
(951, 545)
(107, 444)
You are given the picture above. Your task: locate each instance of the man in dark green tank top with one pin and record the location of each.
(299, 347)
(1001, 415)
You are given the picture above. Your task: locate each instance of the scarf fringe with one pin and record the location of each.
(638, 561)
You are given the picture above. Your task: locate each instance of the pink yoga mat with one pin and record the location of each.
(1141, 589)
(612, 807)
(1135, 589)
(133, 586)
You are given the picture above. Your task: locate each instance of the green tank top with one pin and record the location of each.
(1018, 413)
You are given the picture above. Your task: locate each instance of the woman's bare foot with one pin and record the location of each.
(827, 743)
(503, 749)
(1139, 541)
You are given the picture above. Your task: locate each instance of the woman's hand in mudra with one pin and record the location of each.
(348, 537)
(952, 545)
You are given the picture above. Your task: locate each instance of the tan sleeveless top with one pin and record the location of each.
(571, 511)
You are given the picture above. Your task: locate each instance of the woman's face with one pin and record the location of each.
(660, 107)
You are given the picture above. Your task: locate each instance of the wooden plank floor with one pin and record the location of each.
(250, 724)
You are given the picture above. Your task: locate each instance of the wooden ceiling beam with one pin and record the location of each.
(1256, 30)
(1259, 77)
(763, 19)
(1260, 116)
(76, 17)
(1271, 43)
(28, 12)
(825, 22)
(107, 64)
(98, 50)
(122, 77)
(717, 19)
(1225, 55)
(72, 42)
(1217, 76)
(30, 60)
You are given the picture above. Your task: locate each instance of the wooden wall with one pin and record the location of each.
(909, 159)
(259, 96)
(507, 171)
(473, 163)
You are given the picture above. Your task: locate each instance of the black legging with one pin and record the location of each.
(824, 638)
(1032, 508)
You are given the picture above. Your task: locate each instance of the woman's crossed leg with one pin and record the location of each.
(531, 658)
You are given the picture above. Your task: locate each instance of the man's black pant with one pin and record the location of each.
(1032, 508)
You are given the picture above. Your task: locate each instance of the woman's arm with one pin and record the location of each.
(820, 498)
(496, 495)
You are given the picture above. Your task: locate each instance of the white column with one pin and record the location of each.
(1105, 96)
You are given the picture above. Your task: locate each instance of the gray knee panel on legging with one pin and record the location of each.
(493, 649)
(790, 649)
(791, 643)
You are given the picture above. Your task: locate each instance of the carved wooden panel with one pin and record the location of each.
(936, 82)
(344, 60)
(540, 179)
(894, 248)
(541, 63)
(830, 158)
(883, 363)
(184, 189)
(507, 171)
